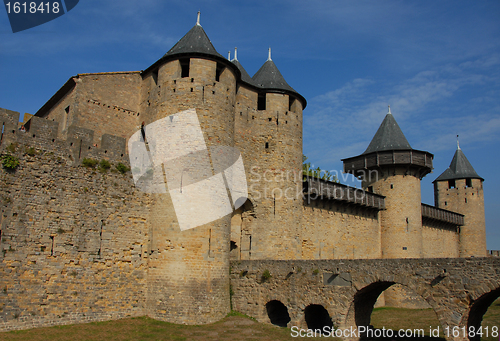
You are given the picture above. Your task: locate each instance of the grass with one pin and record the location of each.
(398, 318)
(235, 326)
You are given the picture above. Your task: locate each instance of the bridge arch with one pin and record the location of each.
(277, 313)
(317, 317)
(478, 308)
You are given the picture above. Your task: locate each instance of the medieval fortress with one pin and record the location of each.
(85, 244)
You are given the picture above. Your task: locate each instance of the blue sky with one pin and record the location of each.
(437, 63)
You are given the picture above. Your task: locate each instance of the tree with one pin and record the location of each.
(307, 169)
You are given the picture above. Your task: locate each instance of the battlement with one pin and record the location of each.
(43, 133)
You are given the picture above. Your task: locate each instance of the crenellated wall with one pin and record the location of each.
(73, 239)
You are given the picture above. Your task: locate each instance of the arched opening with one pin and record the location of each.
(317, 317)
(419, 321)
(478, 311)
(277, 313)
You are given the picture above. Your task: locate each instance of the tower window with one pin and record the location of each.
(267, 145)
(468, 182)
(405, 248)
(261, 102)
(466, 200)
(218, 71)
(392, 186)
(184, 67)
(451, 183)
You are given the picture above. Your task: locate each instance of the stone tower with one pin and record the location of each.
(460, 189)
(188, 271)
(390, 167)
(268, 131)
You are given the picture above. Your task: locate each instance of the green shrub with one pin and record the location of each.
(122, 168)
(104, 165)
(9, 162)
(266, 275)
(91, 163)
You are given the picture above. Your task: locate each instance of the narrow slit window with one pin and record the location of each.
(261, 102)
(184, 67)
(267, 145)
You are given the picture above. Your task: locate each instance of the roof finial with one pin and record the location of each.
(269, 57)
(235, 53)
(198, 20)
(389, 110)
(228, 55)
(458, 143)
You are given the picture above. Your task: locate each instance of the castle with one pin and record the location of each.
(85, 245)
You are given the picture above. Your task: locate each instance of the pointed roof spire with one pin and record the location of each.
(269, 77)
(229, 55)
(388, 136)
(458, 143)
(245, 77)
(195, 41)
(460, 168)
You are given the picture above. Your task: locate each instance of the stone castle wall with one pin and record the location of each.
(332, 230)
(106, 103)
(73, 239)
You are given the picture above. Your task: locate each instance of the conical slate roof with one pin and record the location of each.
(460, 168)
(195, 41)
(269, 77)
(388, 137)
(245, 77)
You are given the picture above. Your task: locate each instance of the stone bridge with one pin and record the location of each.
(308, 293)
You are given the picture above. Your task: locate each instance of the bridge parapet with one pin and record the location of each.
(348, 289)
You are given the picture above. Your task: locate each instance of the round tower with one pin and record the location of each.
(390, 167)
(460, 189)
(188, 271)
(269, 134)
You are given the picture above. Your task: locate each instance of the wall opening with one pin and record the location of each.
(267, 145)
(261, 102)
(218, 71)
(154, 75)
(277, 313)
(290, 102)
(451, 184)
(317, 317)
(1, 135)
(184, 67)
(478, 313)
(468, 182)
